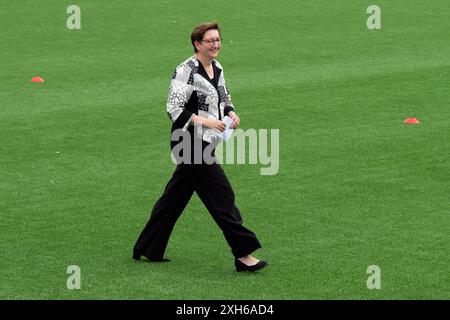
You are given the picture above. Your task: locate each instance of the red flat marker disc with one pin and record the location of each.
(411, 121)
(37, 79)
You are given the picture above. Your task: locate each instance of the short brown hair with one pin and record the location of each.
(200, 30)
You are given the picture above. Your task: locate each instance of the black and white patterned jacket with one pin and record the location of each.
(190, 93)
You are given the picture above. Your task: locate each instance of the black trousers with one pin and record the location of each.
(213, 188)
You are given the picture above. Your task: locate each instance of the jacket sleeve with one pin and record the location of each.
(228, 104)
(225, 96)
(180, 92)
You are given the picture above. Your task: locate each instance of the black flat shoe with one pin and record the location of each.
(240, 266)
(137, 256)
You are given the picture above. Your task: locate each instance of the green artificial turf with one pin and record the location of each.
(85, 155)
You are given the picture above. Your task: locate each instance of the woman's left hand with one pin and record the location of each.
(235, 118)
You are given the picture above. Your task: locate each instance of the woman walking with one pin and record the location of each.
(198, 101)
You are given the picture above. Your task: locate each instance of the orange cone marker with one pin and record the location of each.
(37, 79)
(411, 121)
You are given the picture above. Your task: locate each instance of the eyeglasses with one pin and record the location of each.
(211, 42)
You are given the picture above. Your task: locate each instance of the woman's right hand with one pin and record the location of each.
(215, 124)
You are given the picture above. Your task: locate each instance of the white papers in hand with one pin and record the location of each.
(226, 134)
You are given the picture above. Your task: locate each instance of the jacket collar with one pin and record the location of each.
(197, 62)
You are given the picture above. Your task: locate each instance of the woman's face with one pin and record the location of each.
(210, 45)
